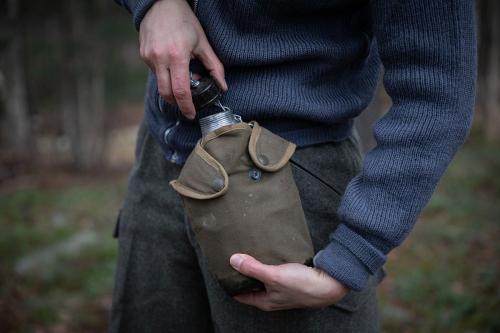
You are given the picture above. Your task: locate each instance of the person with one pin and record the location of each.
(303, 69)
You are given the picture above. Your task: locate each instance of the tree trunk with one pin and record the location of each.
(83, 91)
(17, 136)
(488, 98)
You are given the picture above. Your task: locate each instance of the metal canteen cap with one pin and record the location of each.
(204, 93)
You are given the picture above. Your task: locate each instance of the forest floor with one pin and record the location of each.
(58, 253)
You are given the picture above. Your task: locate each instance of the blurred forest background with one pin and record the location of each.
(71, 91)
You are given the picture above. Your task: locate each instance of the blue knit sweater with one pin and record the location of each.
(306, 68)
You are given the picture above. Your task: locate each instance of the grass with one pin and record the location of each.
(444, 278)
(58, 255)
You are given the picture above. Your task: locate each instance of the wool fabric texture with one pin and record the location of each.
(305, 69)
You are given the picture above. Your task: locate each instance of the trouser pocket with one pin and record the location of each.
(322, 173)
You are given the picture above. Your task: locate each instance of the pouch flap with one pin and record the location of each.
(202, 176)
(267, 150)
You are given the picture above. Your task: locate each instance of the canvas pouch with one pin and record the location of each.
(240, 196)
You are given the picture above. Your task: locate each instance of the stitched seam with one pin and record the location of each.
(252, 150)
(215, 135)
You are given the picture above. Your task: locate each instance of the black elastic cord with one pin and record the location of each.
(332, 187)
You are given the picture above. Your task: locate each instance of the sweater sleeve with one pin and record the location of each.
(138, 9)
(428, 50)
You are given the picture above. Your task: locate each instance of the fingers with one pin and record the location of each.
(251, 267)
(181, 88)
(258, 299)
(206, 54)
(174, 85)
(196, 76)
(163, 80)
(167, 45)
(174, 82)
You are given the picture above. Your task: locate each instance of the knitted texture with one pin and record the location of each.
(304, 69)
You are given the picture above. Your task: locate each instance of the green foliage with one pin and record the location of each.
(445, 277)
(58, 257)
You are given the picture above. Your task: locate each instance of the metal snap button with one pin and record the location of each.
(254, 174)
(263, 159)
(218, 184)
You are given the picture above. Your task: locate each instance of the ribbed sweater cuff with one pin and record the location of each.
(140, 10)
(349, 258)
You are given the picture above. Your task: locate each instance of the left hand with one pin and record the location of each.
(288, 286)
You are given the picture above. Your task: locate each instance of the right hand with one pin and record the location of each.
(170, 35)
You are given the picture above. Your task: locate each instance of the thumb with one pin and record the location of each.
(251, 267)
(206, 54)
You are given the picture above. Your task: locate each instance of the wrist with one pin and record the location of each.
(333, 289)
(341, 265)
(157, 11)
(141, 9)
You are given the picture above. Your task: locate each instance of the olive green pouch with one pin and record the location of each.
(240, 196)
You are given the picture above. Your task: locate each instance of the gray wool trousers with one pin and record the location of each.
(162, 283)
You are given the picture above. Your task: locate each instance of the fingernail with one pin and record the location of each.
(190, 116)
(236, 261)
